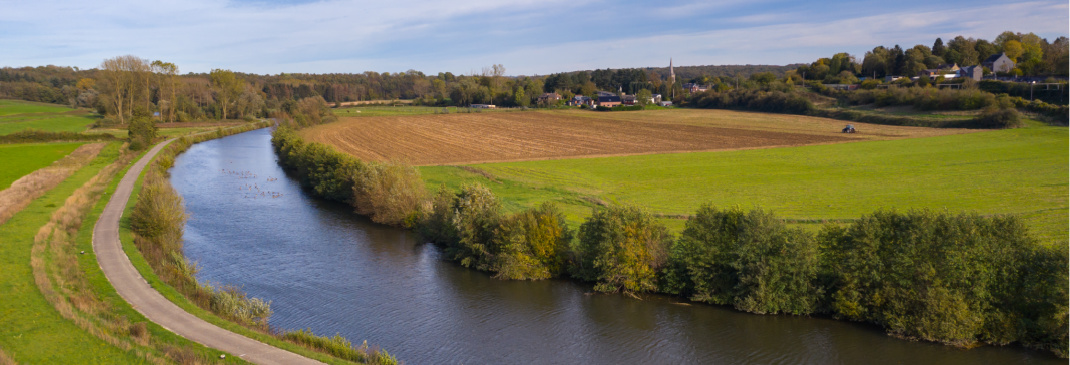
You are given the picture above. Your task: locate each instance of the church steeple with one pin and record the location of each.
(672, 74)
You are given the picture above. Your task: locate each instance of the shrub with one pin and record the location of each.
(475, 218)
(141, 132)
(621, 248)
(387, 192)
(998, 118)
(749, 260)
(532, 244)
(956, 279)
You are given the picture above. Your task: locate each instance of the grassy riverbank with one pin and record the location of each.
(179, 285)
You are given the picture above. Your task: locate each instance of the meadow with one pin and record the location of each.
(21, 115)
(21, 159)
(1017, 171)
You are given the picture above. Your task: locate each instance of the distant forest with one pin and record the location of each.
(125, 86)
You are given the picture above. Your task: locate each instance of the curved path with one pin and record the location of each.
(136, 291)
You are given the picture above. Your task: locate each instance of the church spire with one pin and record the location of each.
(672, 74)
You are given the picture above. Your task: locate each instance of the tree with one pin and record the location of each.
(120, 83)
(228, 88)
(938, 47)
(622, 248)
(1013, 49)
(643, 97)
(170, 71)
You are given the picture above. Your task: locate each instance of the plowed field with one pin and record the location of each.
(463, 138)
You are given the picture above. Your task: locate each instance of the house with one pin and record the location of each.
(933, 73)
(999, 63)
(549, 98)
(580, 100)
(608, 100)
(973, 72)
(628, 100)
(484, 106)
(948, 67)
(655, 99)
(695, 88)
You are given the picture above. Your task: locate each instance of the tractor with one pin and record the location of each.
(850, 128)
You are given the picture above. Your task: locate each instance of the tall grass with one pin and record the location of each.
(30, 187)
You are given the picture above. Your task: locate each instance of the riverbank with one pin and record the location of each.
(158, 250)
(622, 248)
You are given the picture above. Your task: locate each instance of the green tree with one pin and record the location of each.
(228, 87)
(141, 132)
(750, 260)
(643, 97)
(1013, 49)
(621, 249)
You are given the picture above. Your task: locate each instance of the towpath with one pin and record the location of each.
(136, 291)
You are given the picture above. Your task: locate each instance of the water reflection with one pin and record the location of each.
(326, 269)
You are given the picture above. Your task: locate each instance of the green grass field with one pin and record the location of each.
(18, 115)
(21, 159)
(31, 330)
(1018, 171)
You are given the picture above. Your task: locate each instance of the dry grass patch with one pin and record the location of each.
(30, 187)
(492, 137)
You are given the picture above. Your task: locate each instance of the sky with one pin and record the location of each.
(528, 37)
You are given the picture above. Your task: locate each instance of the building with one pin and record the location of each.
(608, 100)
(973, 72)
(999, 63)
(628, 100)
(580, 100)
(549, 98)
(695, 88)
(484, 106)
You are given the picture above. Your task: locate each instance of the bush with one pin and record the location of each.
(957, 279)
(998, 119)
(141, 132)
(475, 217)
(532, 244)
(749, 260)
(621, 248)
(388, 193)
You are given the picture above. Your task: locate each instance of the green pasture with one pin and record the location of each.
(9, 107)
(1017, 171)
(21, 115)
(21, 159)
(31, 330)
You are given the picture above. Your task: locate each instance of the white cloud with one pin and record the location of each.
(527, 36)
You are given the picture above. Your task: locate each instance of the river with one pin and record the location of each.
(324, 268)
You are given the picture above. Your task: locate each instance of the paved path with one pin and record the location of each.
(136, 291)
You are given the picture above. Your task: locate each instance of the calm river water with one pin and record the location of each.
(329, 270)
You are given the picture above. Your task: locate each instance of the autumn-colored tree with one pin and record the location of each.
(228, 88)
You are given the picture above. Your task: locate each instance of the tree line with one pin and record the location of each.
(1033, 56)
(958, 279)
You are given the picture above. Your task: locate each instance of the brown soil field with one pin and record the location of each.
(463, 138)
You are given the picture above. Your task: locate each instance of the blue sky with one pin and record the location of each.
(527, 36)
